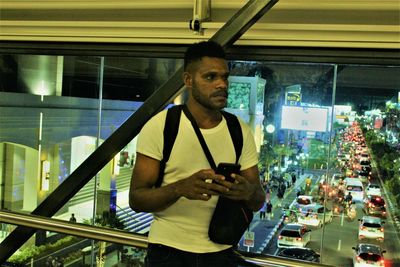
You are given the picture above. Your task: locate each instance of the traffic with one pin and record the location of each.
(338, 217)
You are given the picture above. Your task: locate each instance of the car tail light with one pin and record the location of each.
(298, 239)
(362, 227)
(381, 229)
(358, 259)
(279, 237)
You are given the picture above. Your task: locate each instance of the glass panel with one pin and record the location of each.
(302, 119)
(294, 145)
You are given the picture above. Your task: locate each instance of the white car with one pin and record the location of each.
(301, 201)
(294, 235)
(372, 228)
(355, 187)
(313, 215)
(368, 255)
(373, 190)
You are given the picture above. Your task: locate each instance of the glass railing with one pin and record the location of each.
(44, 138)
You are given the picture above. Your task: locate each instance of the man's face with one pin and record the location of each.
(207, 82)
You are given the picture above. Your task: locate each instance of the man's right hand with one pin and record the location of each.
(200, 185)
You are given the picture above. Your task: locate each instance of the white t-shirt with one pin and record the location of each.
(184, 224)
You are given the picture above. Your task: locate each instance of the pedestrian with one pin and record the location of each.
(269, 210)
(263, 210)
(267, 191)
(72, 218)
(282, 189)
(183, 205)
(298, 192)
(293, 178)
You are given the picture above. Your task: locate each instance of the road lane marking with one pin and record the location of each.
(342, 219)
(339, 244)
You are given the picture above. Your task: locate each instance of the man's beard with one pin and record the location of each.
(205, 100)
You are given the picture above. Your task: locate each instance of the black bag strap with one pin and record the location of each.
(235, 131)
(170, 132)
(200, 137)
(171, 128)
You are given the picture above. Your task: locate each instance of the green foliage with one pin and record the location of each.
(388, 163)
(109, 220)
(26, 254)
(393, 185)
(239, 95)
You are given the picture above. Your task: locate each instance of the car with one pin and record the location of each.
(298, 253)
(375, 205)
(355, 187)
(364, 156)
(368, 255)
(365, 165)
(301, 201)
(313, 215)
(365, 162)
(371, 228)
(364, 176)
(373, 190)
(294, 235)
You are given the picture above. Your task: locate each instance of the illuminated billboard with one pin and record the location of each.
(304, 118)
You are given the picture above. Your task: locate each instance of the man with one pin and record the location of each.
(72, 218)
(184, 204)
(349, 198)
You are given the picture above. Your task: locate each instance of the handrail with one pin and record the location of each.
(122, 237)
(75, 229)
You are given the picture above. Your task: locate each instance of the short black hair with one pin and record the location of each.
(197, 51)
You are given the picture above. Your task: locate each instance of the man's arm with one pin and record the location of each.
(144, 197)
(256, 199)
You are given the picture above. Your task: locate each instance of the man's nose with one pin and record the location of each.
(223, 83)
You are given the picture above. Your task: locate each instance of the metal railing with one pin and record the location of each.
(121, 237)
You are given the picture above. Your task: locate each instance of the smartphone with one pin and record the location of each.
(226, 169)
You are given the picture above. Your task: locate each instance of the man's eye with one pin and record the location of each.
(210, 77)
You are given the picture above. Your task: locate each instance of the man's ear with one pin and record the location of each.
(187, 79)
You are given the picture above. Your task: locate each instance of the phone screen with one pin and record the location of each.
(226, 169)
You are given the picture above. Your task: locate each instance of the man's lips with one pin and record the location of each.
(220, 94)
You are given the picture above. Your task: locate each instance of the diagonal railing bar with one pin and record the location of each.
(227, 35)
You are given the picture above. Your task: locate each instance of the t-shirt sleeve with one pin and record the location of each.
(151, 138)
(249, 156)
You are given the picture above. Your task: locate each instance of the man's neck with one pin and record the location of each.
(205, 118)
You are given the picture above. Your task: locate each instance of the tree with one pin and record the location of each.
(282, 151)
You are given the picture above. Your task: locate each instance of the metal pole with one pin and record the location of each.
(329, 154)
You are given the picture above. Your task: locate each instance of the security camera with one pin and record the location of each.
(194, 24)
